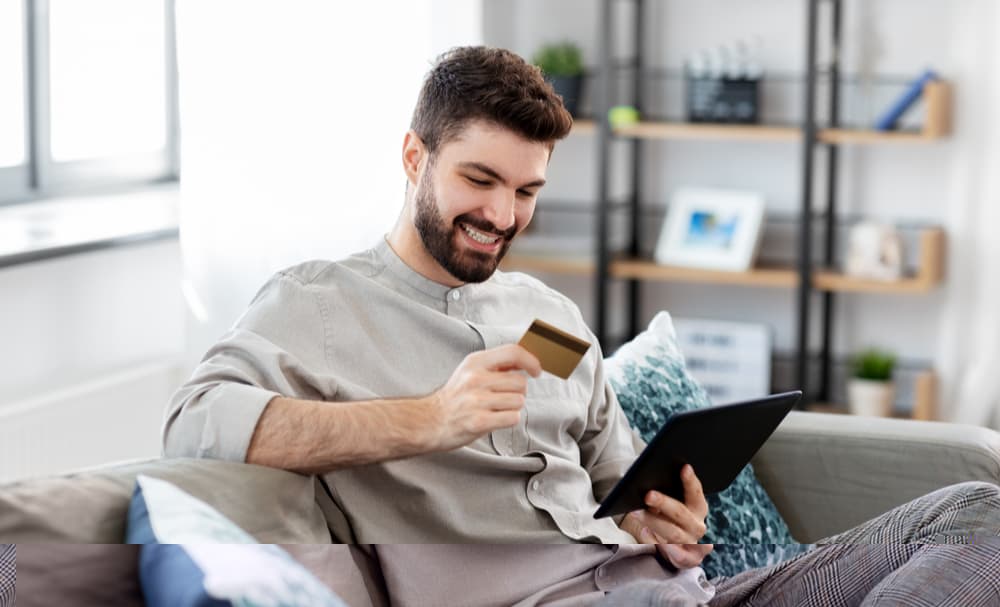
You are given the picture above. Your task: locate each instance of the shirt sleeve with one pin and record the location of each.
(609, 446)
(278, 348)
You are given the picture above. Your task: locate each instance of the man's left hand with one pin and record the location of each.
(674, 526)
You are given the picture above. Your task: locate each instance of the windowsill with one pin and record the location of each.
(59, 227)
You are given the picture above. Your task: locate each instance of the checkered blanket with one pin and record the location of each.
(8, 573)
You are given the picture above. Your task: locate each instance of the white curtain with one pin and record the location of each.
(292, 118)
(970, 352)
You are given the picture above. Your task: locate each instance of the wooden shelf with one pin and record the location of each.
(548, 263)
(937, 125)
(584, 127)
(924, 400)
(650, 270)
(698, 131)
(929, 274)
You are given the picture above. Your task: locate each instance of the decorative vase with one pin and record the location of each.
(871, 398)
(569, 88)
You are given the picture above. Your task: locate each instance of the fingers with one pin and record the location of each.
(511, 356)
(667, 508)
(505, 382)
(660, 529)
(694, 494)
(685, 556)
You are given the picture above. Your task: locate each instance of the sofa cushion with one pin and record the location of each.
(90, 506)
(81, 575)
(353, 572)
(652, 383)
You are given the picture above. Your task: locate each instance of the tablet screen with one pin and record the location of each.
(718, 442)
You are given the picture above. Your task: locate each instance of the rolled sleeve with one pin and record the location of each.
(277, 349)
(221, 425)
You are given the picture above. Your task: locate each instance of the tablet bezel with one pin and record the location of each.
(743, 426)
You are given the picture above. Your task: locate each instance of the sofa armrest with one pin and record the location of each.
(827, 473)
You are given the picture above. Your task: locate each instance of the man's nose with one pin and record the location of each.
(500, 210)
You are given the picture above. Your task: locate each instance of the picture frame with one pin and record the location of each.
(712, 229)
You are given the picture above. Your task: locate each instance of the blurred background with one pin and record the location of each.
(160, 159)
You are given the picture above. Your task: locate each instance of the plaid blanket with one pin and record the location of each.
(8, 574)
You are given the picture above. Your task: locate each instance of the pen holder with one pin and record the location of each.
(728, 100)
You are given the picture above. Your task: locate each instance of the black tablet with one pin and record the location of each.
(718, 442)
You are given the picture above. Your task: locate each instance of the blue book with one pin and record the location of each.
(888, 120)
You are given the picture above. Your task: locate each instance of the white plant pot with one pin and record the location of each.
(871, 398)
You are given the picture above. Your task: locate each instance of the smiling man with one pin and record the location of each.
(394, 374)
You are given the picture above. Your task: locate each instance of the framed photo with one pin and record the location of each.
(712, 229)
(731, 360)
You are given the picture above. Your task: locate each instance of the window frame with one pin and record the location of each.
(40, 177)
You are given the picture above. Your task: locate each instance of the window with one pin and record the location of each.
(87, 95)
(13, 174)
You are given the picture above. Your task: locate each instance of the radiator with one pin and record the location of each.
(112, 418)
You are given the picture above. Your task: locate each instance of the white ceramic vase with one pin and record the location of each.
(870, 397)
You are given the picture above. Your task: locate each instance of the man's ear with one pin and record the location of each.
(414, 155)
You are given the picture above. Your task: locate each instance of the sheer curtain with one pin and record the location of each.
(292, 118)
(970, 352)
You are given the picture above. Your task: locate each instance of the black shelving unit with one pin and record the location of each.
(805, 292)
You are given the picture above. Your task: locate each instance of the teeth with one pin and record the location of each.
(478, 236)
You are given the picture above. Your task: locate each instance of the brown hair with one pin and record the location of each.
(493, 84)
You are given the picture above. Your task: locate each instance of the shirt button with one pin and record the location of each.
(455, 295)
(534, 485)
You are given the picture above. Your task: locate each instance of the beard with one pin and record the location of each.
(466, 265)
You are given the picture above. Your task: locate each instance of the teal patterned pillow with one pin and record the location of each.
(649, 377)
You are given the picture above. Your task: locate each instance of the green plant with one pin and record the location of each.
(561, 59)
(874, 364)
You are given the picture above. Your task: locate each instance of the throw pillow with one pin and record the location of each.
(650, 379)
(195, 557)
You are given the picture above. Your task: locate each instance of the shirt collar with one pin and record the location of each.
(398, 268)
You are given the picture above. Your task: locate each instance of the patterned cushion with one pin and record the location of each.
(649, 377)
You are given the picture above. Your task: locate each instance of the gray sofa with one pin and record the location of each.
(825, 473)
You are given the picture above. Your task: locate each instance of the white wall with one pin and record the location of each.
(89, 347)
(291, 149)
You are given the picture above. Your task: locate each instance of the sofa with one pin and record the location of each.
(824, 472)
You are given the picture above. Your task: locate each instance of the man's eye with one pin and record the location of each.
(478, 181)
(525, 193)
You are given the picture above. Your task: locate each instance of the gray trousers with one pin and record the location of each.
(8, 574)
(940, 549)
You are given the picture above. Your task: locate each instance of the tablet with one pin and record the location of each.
(718, 442)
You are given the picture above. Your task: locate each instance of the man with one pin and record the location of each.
(8, 574)
(394, 374)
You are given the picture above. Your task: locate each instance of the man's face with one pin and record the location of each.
(475, 195)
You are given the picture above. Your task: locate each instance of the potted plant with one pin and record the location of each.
(562, 64)
(871, 391)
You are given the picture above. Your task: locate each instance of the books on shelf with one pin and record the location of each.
(890, 118)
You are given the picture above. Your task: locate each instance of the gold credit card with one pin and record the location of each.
(558, 351)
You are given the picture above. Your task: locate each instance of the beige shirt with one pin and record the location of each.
(369, 327)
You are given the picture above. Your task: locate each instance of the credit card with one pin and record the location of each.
(558, 351)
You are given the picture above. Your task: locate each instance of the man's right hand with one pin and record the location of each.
(486, 392)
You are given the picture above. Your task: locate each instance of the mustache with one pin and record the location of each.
(487, 226)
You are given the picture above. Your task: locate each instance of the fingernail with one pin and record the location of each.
(646, 532)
